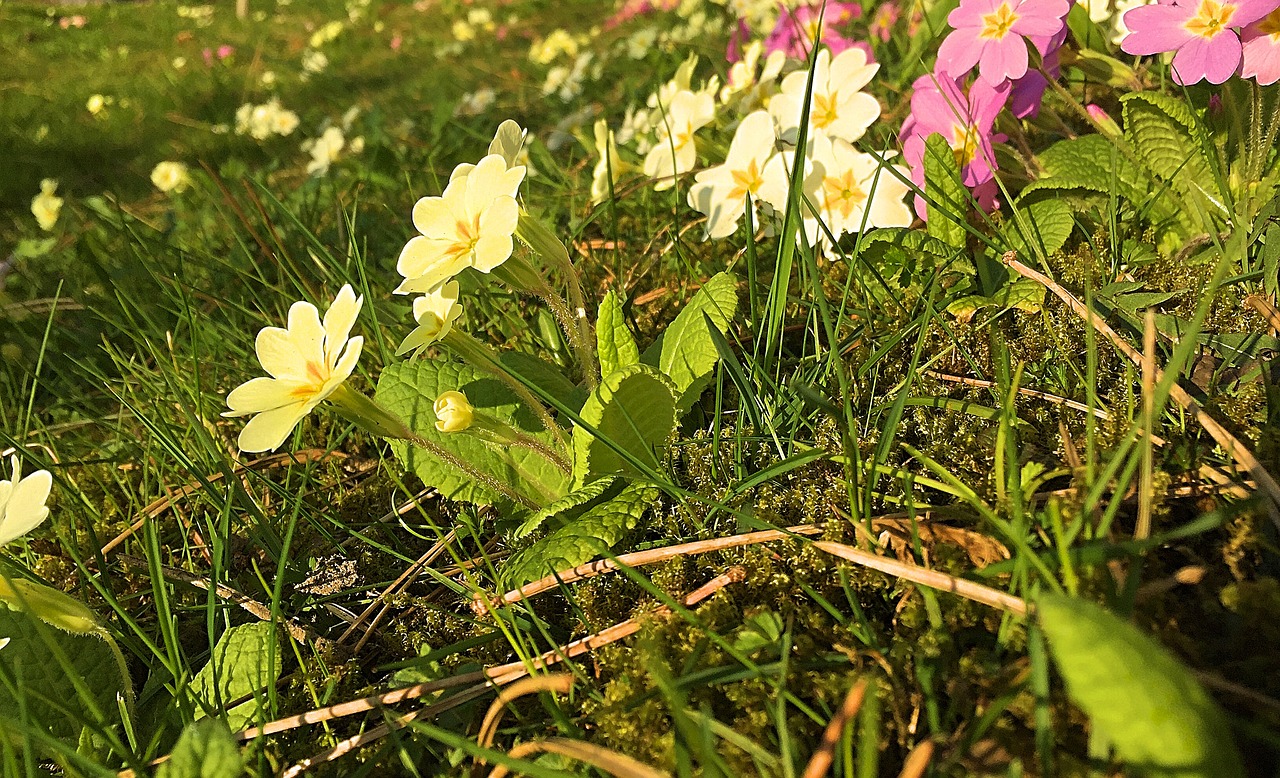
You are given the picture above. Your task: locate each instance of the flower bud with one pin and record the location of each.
(453, 412)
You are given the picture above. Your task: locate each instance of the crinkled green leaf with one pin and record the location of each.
(409, 389)
(1161, 130)
(42, 681)
(576, 499)
(686, 353)
(633, 408)
(246, 660)
(597, 530)
(615, 345)
(1023, 294)
(205, 749)
(1090, 162)
(1045, 224)
(1146, 704)
(945, 193)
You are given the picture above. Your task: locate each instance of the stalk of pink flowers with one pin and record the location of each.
(939, 105)
(992, 35)
(1202, 33)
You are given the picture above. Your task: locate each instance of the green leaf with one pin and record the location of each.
(51, 606)
(685, 353)
(945, 193)
(45, 689)
(1161, 130)
(1093, 163)
(1049, 223)
(615, 345)
(1023, 294)
(409, 389)
(597, 530)
(576, 499)
(634, 409)
(206, 749)
(1146, 704)
(246, 660)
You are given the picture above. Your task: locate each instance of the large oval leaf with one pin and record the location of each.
(634, 412)
(1141, 699)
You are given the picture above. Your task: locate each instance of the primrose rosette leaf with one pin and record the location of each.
(628, 419)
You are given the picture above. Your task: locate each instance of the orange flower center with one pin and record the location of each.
(964, 143)
(1270, 24)
(1211, 19)
(824, 111)
(745, 181)
(997, 24)
(843, 193)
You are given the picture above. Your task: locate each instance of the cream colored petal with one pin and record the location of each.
(344, 367)
(500, 217)
(262, 394)
(491, 251)
(278, 354)
(25, 508)
(723, 213)
(267, 430)
(339, 320)
(429, 258)
(854, 116)
(433, 217)
(850, 70)
(488, 182)
(461, 172)
(306, 332)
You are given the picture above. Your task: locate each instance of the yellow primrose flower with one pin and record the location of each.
(721, 191)
(838, 107)
(453, 412)
(22, 502)
(46, 206)
(95, 104)
(858, 191)
(676, 151)
(470, 225)
(307, 362)
(435, 313)
(170, 176)
(324, 150)
(610, 167)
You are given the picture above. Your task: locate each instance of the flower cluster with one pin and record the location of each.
(1210, 40)
(170, 176)
(263, 121)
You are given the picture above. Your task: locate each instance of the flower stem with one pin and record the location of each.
(484, 357)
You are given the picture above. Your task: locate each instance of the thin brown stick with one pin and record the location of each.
(824, 756)
(602, 758)
(501, 675)
(1229, 443)
(1146, 487)
(925, 577)
(917, 760)
(556, 682)
(296, 631)
(1047, 397)
(482, 605)
(164, 503)
(430, 556)
(1263, 306)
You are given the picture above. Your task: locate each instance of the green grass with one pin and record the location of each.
(830, 406)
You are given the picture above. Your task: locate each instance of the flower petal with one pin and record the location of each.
(267, 430)
(25, 509)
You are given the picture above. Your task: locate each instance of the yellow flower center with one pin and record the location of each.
(745, 181)
(317, 375)
(811, 30)
(1211, 19)
(964, 143)
(468, 236)
(997, 24)
(824, 110)
(843, 193)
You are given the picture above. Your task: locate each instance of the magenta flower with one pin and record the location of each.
(1028, 91)
(993, 35)
(883, 20)
(796, 31)
(939, 105)
(1261, 49)
(1201, 32)
(226, 50)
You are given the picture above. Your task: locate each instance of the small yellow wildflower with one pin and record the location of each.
(46, 206)
(453, 412)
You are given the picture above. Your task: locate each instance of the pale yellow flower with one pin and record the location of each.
(721, 192)
(435, 313)
(610, 167)
(22, 502)
(838, 107)
(675, 150)
(170, 176)
(95, 104)
(453, 412)
(470, 225)
(858, 192)
(324, 150)
(307, 362)
(46, 206)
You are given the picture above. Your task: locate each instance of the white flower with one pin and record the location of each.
(1099, 10)
(476, 103)
(435, 313)
(268, 78)
(324, 150)
(314, 61)
(749, 90)
(857, 192)
(839, 109)
(470, 225)
(46, 206)
(22, 502)
(453, 412)
(307, 362)
(610, 167)
(675, 151)
(721, 192)
(95, 104)
(170, 176)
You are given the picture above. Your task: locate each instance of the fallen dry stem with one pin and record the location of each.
(1229, 443)
(605, 759)
(824, 756)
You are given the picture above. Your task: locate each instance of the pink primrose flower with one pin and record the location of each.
(796, 31)
(1261, 49)
(1202, 33)
(1028, 91)
(226, 50)
(940, 105)
(993, 35)
(883, 20)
